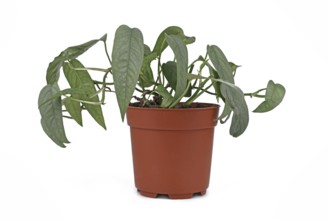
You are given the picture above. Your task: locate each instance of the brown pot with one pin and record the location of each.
(172, 149)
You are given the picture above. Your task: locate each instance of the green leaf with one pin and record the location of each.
(54, 67)
(225, 114)
(220, 63)
(180, 51)
(167, 97)
(51, 115)
(127, 60)
(234, 97)
(146, 77)
(169, 70)
(234, 67)
(214, 75)
(161, 43)
(273, 97)
(74, 109)
(147, 50)
(70, 91)
(75, 51)
(81, 79)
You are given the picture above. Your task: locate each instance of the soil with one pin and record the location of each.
(179, 105)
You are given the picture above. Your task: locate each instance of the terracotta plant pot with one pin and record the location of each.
(172, 149)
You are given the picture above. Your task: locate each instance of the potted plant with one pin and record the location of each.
(171, 133)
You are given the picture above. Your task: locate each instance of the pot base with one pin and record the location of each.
(171, 196)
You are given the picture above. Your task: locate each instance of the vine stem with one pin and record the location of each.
(91, 68)
(100, 82)
(255, 94)
(107, 53)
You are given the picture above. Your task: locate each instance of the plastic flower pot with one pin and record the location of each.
(172, 149)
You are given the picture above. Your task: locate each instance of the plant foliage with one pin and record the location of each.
(173, 83)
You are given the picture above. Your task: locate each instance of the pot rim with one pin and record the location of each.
(209, 106)
(173, 118)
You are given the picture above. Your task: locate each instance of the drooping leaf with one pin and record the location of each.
(181, 56)
(234, 97)
(220, 63)
(75, 51)
(54, 67)
(167, 97)
(81, 79)
(273, 97)
(74, 109)
(53, 70)
(127, 60)
(161, 43)
(51, 115)
(225, 114)
(70, 91)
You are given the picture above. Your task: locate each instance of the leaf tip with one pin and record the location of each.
(103, 38)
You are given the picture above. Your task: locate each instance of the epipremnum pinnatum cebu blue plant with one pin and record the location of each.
(172, 84)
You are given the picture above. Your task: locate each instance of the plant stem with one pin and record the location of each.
(159, 70)
(107, 54)
(210, 93)
(83, 101)
(107, 83)
(255, 94)
(91, 68)
(197, 92)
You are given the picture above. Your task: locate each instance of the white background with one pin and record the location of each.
(279, 169)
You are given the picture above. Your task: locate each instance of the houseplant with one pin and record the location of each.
(171, 88)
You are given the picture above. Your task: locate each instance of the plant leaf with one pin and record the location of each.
(71, 91)
(74, 109)
(180, 51)
(127, 60)
(273, 97)
(81, 79)
(234, 67)
(169, 70)
(214, 75)
(220, 63)
(54, 67)
(234, 97)
(146, 77)
(225, 114)
(167, 97)
(161, 43)
(51, 115)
